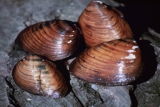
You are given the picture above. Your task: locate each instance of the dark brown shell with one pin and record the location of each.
(116, 62)
(39, 76)
(55, 39)
(100, 23)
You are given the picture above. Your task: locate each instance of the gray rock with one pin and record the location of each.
(147, 93)
(14, 14)
(3, 63)
(113, 96)
(4, 101)
(86, 95)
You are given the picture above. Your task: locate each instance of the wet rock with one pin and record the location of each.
(113, 96)
(3, 63)
(147, 93)
(4, 101)
(14, 57)
(21, 98)
(86, 95)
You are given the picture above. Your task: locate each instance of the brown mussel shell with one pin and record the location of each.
(55, 39)
(100, 23)
(39, 76)
(116, 62)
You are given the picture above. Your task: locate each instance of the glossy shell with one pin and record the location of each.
(100, 23)
(55, 39)
(39, 76)
(116, 62)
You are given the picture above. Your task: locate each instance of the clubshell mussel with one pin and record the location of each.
(39, 76)
(54, 39)
(113, 56)
(100, 23)
(116, 62)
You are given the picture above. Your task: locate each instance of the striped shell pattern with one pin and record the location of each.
(55, 39)
(39, 76)
(116, 62)
(113, 57)
(100, 23)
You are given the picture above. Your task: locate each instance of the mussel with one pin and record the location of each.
(101, 23)
(117, 62)
(54, 39)
(39, 76)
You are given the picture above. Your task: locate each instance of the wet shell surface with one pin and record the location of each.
(100, 23)
(39, 76)
(55, 39)
(116, 62)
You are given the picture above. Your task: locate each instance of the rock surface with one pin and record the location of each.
(147, 93)
(17, 12)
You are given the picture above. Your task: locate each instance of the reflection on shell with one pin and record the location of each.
(55, 39)
(116, 62)
(39, 76)
(100, 23)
